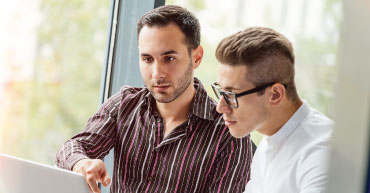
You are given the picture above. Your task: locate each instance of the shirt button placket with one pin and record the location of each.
(152, 159)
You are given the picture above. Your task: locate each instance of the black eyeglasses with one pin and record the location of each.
(232, 98)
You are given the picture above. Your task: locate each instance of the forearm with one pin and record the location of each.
(93, 142)
(69, 154)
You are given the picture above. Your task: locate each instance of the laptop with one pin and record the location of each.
(22, 176)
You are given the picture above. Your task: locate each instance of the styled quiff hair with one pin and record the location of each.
(267, 54)
(164, 15)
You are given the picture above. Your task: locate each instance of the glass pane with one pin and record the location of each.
(51, 57)
(312, 26)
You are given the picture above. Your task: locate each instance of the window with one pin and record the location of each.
(51, 58)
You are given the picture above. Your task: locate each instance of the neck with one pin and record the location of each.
(178, 109)
(280, 116)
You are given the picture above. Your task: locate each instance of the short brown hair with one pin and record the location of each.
(267, 54)
(164, 15)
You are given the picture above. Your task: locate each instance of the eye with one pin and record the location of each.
(147, 59)
(169, 58)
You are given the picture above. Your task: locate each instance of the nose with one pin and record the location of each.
(158, 71)
(222, 106)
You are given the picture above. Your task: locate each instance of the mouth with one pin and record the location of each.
(229, 122)
(161, 88)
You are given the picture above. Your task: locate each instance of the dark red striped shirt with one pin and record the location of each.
(199, 155)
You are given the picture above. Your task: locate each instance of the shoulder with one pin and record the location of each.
(309, 143)
(125, 94)
(129, 93)
(317, 119)
(132, 91)
(316, 127)
(314, 151)
(316, 131)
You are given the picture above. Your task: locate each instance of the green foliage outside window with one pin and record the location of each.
(46, 109)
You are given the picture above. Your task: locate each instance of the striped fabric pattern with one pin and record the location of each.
(199, 155)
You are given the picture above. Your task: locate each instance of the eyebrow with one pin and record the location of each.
(228, 87)
(162, 54)
(231, 88)
(169, 52)
(143, 54)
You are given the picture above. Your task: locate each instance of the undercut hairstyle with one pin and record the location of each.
(267, 54)
(164, 15)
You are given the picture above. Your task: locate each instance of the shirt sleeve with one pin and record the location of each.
(95, 140)
(312, 171)
(232, 169)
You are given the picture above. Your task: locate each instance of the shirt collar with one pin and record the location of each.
(202, 105)
(289, 126)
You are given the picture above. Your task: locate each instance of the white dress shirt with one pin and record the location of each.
(294, 159)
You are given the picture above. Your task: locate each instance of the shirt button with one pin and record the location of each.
(149, 178)
(158, 120)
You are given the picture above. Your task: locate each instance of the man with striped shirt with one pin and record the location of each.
(167, 136)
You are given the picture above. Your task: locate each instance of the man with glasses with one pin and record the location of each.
(256, 91)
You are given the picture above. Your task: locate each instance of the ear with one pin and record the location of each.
(197, 55)
(276, 94)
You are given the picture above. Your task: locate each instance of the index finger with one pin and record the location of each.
(92, 182)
